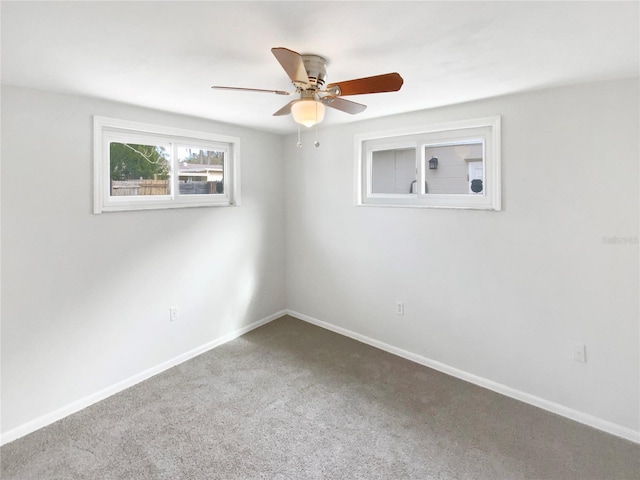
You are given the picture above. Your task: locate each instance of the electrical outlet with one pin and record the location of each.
(579, 353)
(399, 308)
(173, 314)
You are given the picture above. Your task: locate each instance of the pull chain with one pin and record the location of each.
(316, 143)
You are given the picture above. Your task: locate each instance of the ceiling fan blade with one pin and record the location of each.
(286, 110)
(292, 63)
(277, 92)
(389, 82)
(344, 105)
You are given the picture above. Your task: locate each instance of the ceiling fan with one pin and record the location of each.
(308, 73)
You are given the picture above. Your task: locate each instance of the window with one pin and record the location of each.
(452, 165)
(141, 167)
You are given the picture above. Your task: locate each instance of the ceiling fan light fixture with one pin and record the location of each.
(307, 112)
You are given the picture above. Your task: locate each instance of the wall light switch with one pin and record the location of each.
(173, 314)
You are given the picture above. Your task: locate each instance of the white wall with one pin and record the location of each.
(500, 296)
(85, 297)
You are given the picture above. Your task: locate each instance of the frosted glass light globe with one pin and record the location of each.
(307, 112)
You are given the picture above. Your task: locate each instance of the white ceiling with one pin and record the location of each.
(166, 55)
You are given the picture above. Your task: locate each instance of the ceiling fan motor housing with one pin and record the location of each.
(316, 67)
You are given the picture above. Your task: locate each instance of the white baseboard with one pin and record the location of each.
(581, 417)
(553, 407)
(85, 402)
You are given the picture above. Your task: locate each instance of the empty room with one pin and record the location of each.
(320, 240)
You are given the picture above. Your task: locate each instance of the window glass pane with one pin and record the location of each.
(139, 166)
(454, 169)
(393, 171)
(201, 170)
(457, 165)
(137, 169)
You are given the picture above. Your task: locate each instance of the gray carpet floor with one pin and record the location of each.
(293, 401)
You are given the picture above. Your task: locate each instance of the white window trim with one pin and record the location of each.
(443, 133)
(105, 128)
